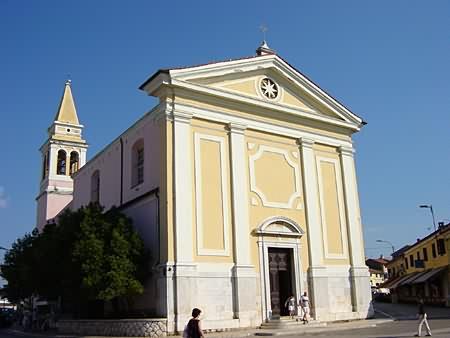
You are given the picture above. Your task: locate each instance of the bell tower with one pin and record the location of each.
(63, 154)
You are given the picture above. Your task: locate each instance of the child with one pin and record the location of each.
(290, 304)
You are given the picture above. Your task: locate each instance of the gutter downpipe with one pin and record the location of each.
(121, 171)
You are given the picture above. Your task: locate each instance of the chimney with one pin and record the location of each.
(381, 256)
(418, 239)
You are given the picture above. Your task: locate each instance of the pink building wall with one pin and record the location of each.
(50, 204)
(108, 162)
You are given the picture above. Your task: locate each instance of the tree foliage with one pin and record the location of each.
(19, 268)
(90, 255)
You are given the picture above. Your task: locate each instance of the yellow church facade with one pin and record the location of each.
(242, 183)
(262, 198)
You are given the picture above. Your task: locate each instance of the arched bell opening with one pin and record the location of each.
(74, 162)
(61, 164)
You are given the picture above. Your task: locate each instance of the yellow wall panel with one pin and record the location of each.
(331, 208)
(212, 202)
(259, 213)
(275, 177)
(212, 218)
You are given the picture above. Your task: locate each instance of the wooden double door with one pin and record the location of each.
(280, 274)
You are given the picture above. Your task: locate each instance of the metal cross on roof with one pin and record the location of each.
(263, 28)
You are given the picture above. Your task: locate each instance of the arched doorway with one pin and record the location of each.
(280, 264)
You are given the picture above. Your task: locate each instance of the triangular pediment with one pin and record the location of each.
(249, 84)
(252, 81)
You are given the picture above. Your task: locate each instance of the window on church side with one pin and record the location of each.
(61, 164)
(95, 186)
(74, 162)
(137, 163)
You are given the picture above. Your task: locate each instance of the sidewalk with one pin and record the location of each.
(297, 329)
(409, 311)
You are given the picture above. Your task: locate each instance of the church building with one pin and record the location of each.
(241, 182)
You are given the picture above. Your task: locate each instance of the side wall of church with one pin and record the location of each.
(115, 165)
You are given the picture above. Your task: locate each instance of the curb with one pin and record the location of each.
(326, 328)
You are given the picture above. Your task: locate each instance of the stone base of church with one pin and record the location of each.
(226, 294)
(230, 296)
(340, 293)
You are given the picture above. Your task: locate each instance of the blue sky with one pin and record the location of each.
(388, 61)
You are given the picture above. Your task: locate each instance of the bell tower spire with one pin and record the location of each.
(66, 110)
(63, 154)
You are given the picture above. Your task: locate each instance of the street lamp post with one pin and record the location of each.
(432, 213)
(383, 241)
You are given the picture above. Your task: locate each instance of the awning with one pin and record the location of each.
(428, 275)
(411, 277)
(387, 284)
(398, 281)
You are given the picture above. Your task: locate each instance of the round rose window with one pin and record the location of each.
(269, 88)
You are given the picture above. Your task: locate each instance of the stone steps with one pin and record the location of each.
(285, 323)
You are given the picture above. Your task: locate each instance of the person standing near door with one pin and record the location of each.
(305, 306)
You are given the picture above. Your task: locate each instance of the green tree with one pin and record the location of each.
(20, 267)
(90, 255)
(111, 255)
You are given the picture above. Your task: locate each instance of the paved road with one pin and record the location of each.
(408, 311)
(404, 325)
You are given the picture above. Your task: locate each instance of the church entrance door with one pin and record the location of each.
(280, 280)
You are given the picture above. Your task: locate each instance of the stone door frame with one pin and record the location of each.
(290, 240)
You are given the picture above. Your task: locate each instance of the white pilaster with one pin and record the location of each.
(185, 282)
(241, 229)
(312, 209)
(83, 152)
(53, 161)
(182, 141)
(244, 277)
(317, 279)
(355, 236)
(359, 273)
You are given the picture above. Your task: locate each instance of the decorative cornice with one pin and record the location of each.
(222, 116)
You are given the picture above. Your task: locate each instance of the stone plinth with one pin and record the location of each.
(115, 328)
